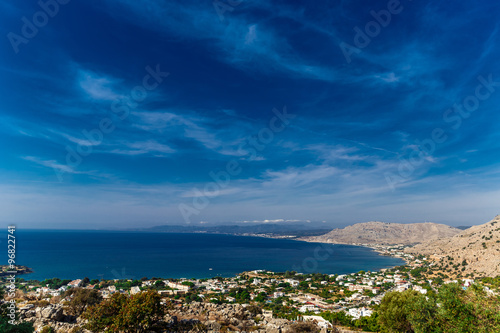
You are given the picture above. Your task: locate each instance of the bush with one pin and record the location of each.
(5, 326)
(254, 310)
(81, 299)
(137, 313)
(76, 330)
(42, 303)
(47, 329)
(303, 327)
(452, 309)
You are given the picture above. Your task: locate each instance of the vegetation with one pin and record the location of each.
(452, 309)
(54, 283)
(5, 326)
(138, 313)
(126, 285)
(369, 324)
(80, 299)
(47, 329)
(302, 327)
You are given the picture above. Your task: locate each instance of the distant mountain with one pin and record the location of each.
(475, 250)
(386, 233)
(274, 229)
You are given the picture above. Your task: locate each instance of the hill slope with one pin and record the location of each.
(386, 233)
(475, 250)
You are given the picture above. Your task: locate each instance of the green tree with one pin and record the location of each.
(470, 310)
(85, 281)
(393, 312)
(80, 299)
(141, 312)
(422, 314)
(369, 324)
(102, 316)
(261, 297)
(138, 313)
(159, 284)
(452, 309)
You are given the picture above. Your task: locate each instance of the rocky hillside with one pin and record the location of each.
(195, 317)
(473, 251)
(386, 233)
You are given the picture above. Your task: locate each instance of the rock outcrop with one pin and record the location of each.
(194, 317)
(51, 315)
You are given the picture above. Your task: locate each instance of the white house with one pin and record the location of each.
(293, 283)
(75, 283)
(135, 290)
(320, 321)
(278, 294)
(361, 312)
(179, 286)
(147, 283)
(308, 307)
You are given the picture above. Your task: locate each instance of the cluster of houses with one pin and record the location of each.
(259, 282)
(353, 293)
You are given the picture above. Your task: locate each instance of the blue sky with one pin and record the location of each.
(118, 113)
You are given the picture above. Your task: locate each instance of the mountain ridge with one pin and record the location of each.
(273, 229)
(385, 233)
(475, 250)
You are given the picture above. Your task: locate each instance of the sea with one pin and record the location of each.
(132, 255)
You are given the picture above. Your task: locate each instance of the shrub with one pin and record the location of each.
(47, 329)
(6, 327)
(303, 327)
(451, 310)
(137, 313)
(76, 330)
(81, 299)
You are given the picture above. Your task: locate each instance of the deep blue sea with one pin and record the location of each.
(133, 255)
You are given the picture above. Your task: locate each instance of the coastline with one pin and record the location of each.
(20, 270)
(161, 255)
(382, 249)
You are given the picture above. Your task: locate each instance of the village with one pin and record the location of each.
(288, 295)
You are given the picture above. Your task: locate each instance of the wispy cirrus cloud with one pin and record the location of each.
(98, 87)
(144, 147)
(354, 122)
(191, 126)
(51, 164)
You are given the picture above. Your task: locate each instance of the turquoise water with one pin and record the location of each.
(133, 255)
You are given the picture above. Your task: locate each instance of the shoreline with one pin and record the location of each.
(382, 249)
(20, 270)
(221, 271)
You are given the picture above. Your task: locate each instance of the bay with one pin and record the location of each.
(70, 254)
